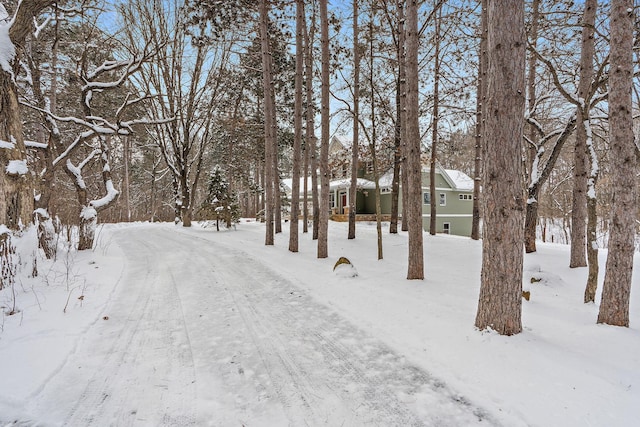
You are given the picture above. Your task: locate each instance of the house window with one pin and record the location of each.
(446, 227)
(443, 199)
(332, 200)
(465, 197)
(426, 198)
(385, 190)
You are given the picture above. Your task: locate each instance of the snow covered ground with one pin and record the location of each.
(171, 326)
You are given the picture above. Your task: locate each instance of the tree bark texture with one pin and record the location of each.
(531, 217)
(614, 307)
(372, 145)
(500, 302)
(269, 125)
(16, 196)
(413, 203)
(353, 193)
(434, 127)
(323, 224)
(587, 55)
(581, 160)
(297, 130)
(402, 114)
(480, 125)
(311, 141)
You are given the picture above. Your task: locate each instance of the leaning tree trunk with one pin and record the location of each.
(614, 307)
(500, 301)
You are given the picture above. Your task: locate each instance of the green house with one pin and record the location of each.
(453, 198)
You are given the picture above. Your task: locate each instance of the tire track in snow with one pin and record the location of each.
(324, 370)
(144, 372)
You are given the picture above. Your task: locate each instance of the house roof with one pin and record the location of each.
(346, 183)
(461, 180)
(458, 180)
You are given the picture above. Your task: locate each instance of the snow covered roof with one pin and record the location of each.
(346, 183)
(458, 180)
(288, 183)
(461, 180)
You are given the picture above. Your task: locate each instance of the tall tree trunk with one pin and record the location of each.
(531, 216)
(311, 140)
(305, 191)
(402, 115)
(269, 125)
(372, 145)
(587, 55)
(413, 203)
(277, 209)
(356, 117)
(614, 307)
(323, 224)
(126, 148)
(500, 301)
(297, 131)
(397, 160)
(434, 127)
(481, 99)
(580, 183)
(185, 207)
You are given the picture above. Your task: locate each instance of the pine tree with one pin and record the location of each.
(221, 203)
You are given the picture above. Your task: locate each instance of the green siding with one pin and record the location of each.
(456, 212)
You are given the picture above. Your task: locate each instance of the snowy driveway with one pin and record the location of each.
(199, 333)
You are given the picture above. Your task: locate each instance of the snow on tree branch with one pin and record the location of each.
(40, 27)
(109, 198)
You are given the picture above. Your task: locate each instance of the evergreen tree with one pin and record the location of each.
(221, 202)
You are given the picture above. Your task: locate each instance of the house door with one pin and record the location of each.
(343, 202)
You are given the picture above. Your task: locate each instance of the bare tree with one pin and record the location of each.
(185, 78)
(614, 307)
(323, 224)
(413, 202)
(500, 301)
